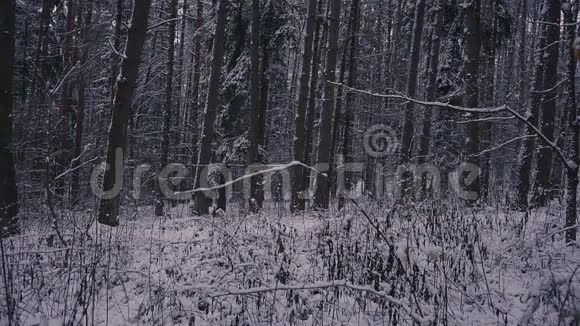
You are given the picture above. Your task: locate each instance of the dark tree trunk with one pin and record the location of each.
(80, 114)
(549, 101)
(121, 111)
(312, 96)
(167, 102)
(255, 200)
(322, 194)
(471, 76)
(116, 46)
(196, 73)
(8, 190)
(528, 145)
(349, 109)
(202, 203)
(298, 202)
(408, 126)
(431, 92)
(570, 15)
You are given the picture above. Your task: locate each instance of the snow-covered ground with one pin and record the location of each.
(370, 265)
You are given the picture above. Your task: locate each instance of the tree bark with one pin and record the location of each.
(471, 76)
(431, 92)
(195, 78)
(322, 194)
(255, 201)
(125, 87)
(527, 146)
(348, 109)
(549, 101)
(570, 15)
(167, 102)
(202, 203)
(8, 190)
(312, 96)
(298, 186)
(81, 105)
(116, 45)
(408, 126)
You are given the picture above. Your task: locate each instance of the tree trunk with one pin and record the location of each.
(167, 102)
(471, 76)
(527, 146)
(196, 73)
(312, 96)
(348, 109)
(80, 114)
(42, 45)
(408, 128)
(338, 120)
(117, 139)
(202, 203)
(431, 92)
(298, 202)
(255, 201)
(488, 97)
(549, 101)
(8, 190)
(570, 15)
(116, 46)
(322, 194)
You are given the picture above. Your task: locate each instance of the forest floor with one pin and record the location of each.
(376, 265)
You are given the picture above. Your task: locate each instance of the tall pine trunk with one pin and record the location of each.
(256, 199)
(471, 76)
(195, 78)
(312, 97)
(299, 146)
(8, 190)
(117, 139)
(202, 203)
(571, 107)
(431, 92)
(549, 101)
(81, 104)
(347, 153)
(322, 194)
(408, 125)
(167, 102)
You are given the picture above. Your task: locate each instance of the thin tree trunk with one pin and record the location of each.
(570, 15)
(202, 203)
(408, 127)
(167, 102)
(528, 145)
(348, 109)
(298, 202)
(322, 194)
(255, 201)
(312, 96)
(431, 93)
(42, 45)
(549, 101)
(196, 73)
(471, 76)
(80, 114)
(8, 190)
(116, 45)
(488, 99)
(181, 101)
(117, 139)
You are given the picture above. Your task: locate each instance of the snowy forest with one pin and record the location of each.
(289, 162)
